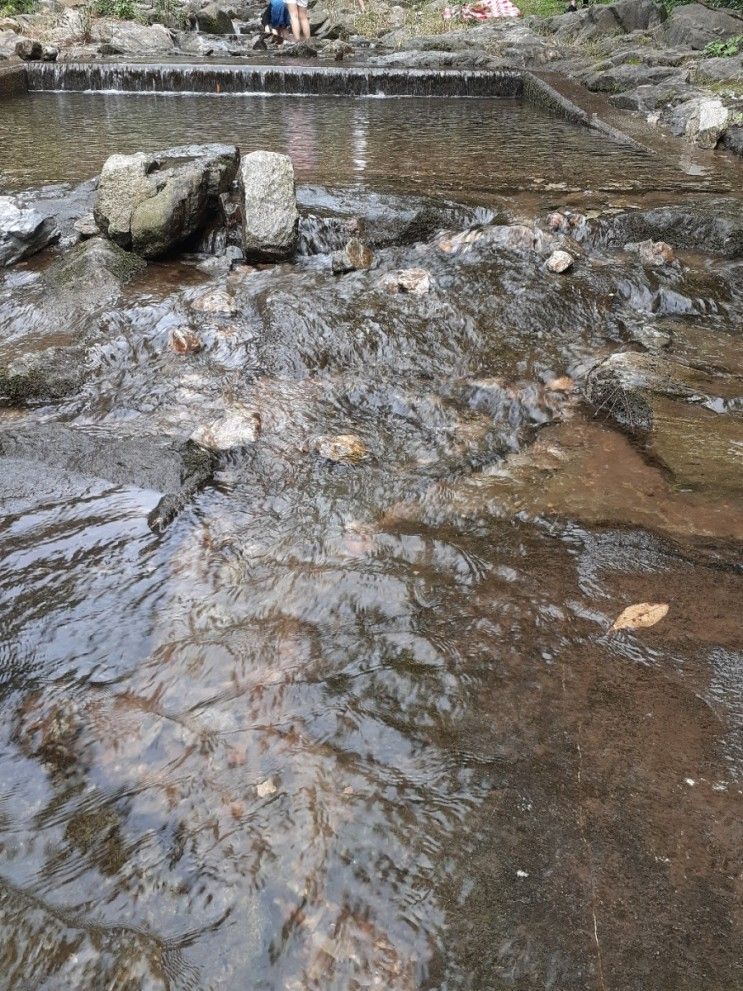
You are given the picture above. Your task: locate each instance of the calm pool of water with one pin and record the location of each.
(431, 146)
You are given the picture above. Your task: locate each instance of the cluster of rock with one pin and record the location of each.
(215, 28)
(151, 203)
(643, 57)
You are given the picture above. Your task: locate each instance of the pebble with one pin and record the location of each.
(342, 448)
(183, 340)
(560, 261)
(407, 280)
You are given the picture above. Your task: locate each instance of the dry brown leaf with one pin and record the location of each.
(562, 384)
(641, 616)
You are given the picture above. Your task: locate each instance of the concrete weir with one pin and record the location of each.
(294, 80)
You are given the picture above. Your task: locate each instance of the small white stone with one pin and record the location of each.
(560, 261)
(521, 873)
(239, 427)
(266, 788)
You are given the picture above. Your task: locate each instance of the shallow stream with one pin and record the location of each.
(365, 726)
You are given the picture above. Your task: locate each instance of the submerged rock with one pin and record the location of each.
(184, 340)
(149, 203)
(92, 273)
(23, 231)
(72, 293)
(407, 280)
(159, 464)
(270, 215)
(323, 235)
(652, 253)
(49, 730)
(342, 448)
(50, 373)
(714, 225)
(589, 472)
(238, 427)
(353, 258)
(651, 395)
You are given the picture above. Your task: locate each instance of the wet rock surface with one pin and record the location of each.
(176, 470)
(269, 205)
(23, 231)
(150, 203)
(53, 327)
(712, 226)
(406, 491)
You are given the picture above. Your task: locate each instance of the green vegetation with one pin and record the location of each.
(171, 11)
(730, 4)
(11, 7)
(723, 49)
(124, 10)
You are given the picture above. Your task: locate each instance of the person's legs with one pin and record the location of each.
(304, 20)
(294, 18)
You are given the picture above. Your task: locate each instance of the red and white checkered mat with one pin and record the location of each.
(483, 10)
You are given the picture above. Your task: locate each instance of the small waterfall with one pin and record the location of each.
(290, 80)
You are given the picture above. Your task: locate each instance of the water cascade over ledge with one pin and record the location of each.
(289, 80)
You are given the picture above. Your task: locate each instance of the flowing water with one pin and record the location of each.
(353, 726)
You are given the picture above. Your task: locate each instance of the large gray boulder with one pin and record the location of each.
(695, 26)
(23, 231)
(625, 77)
(150, 203)
(601, 21)
(707, 123)
(270, 215)
(649, 98)
(214, 19)
(130, 38)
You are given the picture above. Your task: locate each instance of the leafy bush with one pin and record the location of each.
(723, 49)
(11, 7)
(124, 10)
(730, 4)
(171, 12)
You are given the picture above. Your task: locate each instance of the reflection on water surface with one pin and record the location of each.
(430, 145)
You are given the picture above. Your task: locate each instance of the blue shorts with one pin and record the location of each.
(279, 14)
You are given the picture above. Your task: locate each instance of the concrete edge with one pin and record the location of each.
(13, 80)
(539, 92)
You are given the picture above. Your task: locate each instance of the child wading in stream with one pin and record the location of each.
(275, 20)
